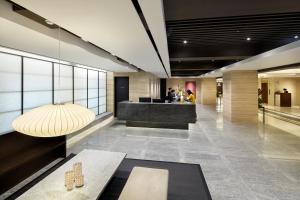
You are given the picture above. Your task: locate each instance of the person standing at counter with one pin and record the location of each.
(191, 97)
(171, 95)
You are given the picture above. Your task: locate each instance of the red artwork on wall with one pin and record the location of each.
(191, 85)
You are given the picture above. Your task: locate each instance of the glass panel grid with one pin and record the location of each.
(38, 89)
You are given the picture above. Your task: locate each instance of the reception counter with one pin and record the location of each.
(157, 115)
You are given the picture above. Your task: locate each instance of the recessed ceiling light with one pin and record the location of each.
(49, 22)
(296, 36)
(248, 38)
(185, 41)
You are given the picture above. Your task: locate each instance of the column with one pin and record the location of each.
(208, 91)
(240, 99)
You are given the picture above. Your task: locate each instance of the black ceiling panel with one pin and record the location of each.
(196, 68)
(226, 35)
(194, 9)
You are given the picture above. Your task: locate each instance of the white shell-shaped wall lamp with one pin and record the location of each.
(53, 120)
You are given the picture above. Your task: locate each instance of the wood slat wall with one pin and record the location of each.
(208, 91)
(240, 96)
(140, 85)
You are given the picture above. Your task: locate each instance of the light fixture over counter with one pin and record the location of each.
(53, 120)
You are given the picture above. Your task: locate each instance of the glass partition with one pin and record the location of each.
(102, 92)
(80, 86)
(29, 82)
(63, 86)
(93, 90)
(37, 83)
(10, 90)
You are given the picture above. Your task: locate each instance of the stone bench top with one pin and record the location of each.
(146, 184)
(97, 167)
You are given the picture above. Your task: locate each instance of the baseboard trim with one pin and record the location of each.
(168, 125)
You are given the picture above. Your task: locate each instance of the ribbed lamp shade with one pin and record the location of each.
(53, 120)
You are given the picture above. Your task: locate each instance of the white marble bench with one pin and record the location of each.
(97, 166)
(146, 184)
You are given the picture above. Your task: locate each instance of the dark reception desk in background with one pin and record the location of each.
(157, 115)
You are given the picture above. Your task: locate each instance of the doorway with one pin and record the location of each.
(219, 94)
(264, 92)
(121, 91)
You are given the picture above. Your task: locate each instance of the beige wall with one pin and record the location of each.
(208, 91)
(292, 84)
(179, 83)
(141, 84)
(240, 96)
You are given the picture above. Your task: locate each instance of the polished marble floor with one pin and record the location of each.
(239, 161)
(294, 111)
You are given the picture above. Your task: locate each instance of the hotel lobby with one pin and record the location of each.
(152, 100)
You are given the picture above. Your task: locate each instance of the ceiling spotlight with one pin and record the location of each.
(248, 38)
(185, 42)
(296, 36)
(49, 22)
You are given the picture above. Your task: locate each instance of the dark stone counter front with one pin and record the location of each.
(157, 115)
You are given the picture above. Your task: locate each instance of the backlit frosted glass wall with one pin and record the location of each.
(28, 82)
(93, 90)
(10, 90)
(63, 83)
(102, 92)
(80, 86)
(37, 83)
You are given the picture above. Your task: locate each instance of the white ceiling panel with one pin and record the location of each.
(113, 25)
(285, 55)
(154, 14)
(38, 39)
(293, 72)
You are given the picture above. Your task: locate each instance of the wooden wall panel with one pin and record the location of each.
(140, 84)
(208, 91)
(240, 96)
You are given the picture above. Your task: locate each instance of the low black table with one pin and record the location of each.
(186, 181)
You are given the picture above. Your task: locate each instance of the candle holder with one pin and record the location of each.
(69, 180)
(77, 168)
(74, 177)
(79, 181)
